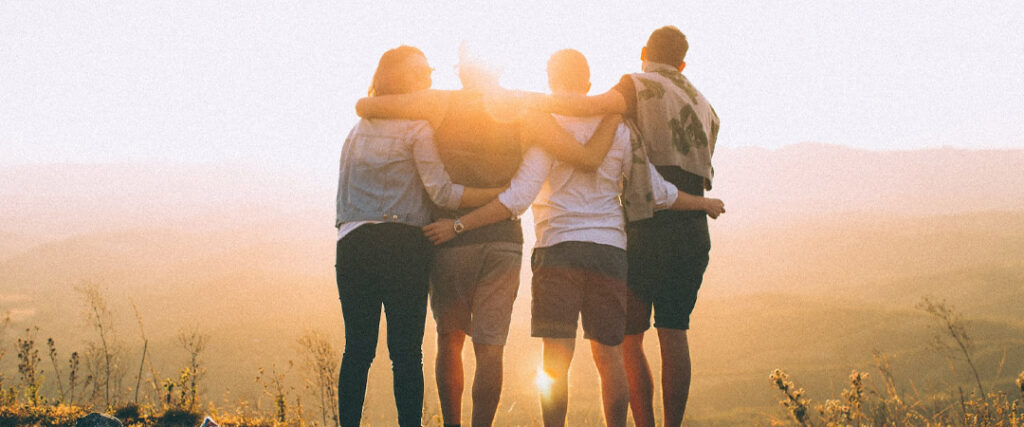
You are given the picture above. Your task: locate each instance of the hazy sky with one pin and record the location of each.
(274, 82)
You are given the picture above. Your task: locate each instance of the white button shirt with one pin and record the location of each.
(574, 205)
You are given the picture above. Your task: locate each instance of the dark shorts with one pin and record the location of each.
(668, 255)
(571, 279)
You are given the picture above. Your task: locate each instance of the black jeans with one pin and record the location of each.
(383, 265)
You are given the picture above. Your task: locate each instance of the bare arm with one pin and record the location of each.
(443, 230)
(666, 196)
(473, 197)
(543, 131)
(436, 180)
(610, 102)
(429, 105)
(509, 204)
(688, 202)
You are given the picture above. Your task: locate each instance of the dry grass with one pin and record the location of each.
(863, 404)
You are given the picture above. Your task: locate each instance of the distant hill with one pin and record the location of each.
(759, 185)
(860, 251)
(63, 200)
(804, 218)
(813, 179)
(169, 271)
(12, 243)
(986, 291)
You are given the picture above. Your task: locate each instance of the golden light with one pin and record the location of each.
(519, 39)
(543, 381)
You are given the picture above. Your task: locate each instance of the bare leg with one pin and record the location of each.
(641, 384)
(614, 386)
(448, 371)
(555, 402)
(675, 373)
(486, 383)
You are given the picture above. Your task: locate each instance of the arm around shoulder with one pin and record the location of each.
(546, 133)
(510, 203)
(427, 105)
(610, 102)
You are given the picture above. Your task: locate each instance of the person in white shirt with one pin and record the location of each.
(579, 261)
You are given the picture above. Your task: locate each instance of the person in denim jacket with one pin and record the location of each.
(390, 177)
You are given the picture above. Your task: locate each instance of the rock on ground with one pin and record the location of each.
(96, 419)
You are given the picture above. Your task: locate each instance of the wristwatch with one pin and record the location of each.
(458, 227)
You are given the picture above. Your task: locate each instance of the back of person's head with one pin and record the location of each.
(475, 71)
(403, 69)
(667, 45)
(568, 71)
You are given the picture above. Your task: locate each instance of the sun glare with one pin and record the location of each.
(543, 381)
(518, 40)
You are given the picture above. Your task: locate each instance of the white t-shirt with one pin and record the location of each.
(574, 205)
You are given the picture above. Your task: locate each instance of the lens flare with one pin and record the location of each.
(543, 381)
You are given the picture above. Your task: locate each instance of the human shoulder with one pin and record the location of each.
(625, 86)
(394, 127)
(581, 128)
(701, 100)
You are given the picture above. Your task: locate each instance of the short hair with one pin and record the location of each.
(391, 75)
(667, 45)
(569, 69)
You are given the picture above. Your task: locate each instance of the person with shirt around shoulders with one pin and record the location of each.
(390, 176)
(480, 136)
(579, 262)
(668, 253)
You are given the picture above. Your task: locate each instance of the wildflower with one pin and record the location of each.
(835, 412)
(794, 401)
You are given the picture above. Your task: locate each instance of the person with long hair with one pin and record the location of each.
(390, 178)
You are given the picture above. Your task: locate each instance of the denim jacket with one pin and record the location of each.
(390, 171)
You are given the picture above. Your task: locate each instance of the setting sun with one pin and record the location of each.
(543, 381)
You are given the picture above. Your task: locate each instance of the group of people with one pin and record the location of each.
(431, 187)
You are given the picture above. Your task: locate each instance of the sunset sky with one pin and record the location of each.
(274, 83)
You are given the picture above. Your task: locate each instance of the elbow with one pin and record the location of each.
(453, 203)
(361, 108)
(513, 212)
(514, 208)
(447, 198)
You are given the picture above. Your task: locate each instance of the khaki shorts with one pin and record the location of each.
(472, 288)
